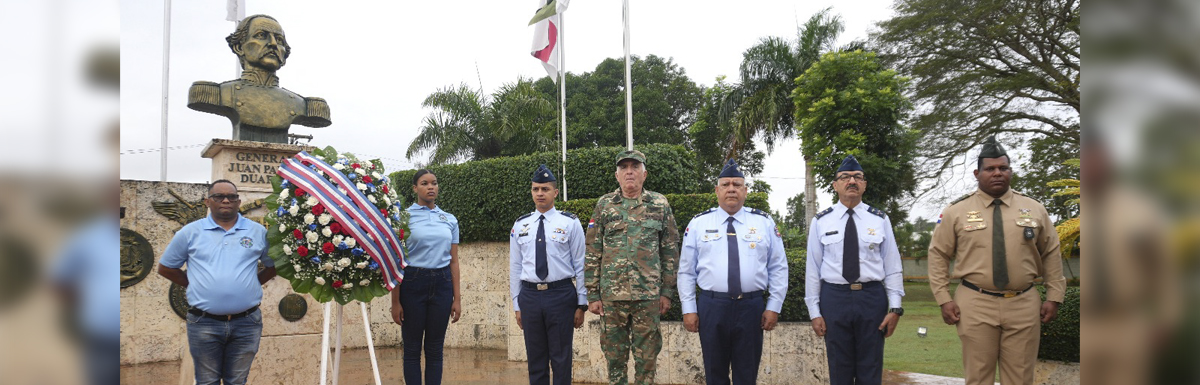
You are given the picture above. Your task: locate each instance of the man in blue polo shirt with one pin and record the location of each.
(224, 288)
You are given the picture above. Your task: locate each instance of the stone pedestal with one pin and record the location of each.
(250, 165)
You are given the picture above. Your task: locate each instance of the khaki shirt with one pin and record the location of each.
(964, 235)
(632, 248)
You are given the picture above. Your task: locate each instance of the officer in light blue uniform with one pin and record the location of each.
(546, 253)
(735, 255)
(854, 280)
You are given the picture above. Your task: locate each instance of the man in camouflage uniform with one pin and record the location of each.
(632, 254)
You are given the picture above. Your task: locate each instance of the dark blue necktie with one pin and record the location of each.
(543, 269)
(735, 265)
(850, 250)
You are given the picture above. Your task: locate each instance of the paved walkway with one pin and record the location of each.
(463, 366)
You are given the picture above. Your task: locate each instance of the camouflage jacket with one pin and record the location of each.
(632, 248)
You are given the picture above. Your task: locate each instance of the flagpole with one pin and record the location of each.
(562, 95)
(165, 86)
(628, 82)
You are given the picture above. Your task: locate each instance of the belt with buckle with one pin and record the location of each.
(717, 294)
(539, 286)
(222, 317)
(1002, 294)
(857, 285)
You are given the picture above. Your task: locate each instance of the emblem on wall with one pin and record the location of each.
(292, 307)
(177, 297)
(137, 258)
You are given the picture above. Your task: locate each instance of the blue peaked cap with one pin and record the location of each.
(731, 170)
(849, 164)
(543, 175)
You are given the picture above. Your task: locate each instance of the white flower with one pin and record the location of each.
(282, 228)
(351, 242)
(312, 237)
(338, 239)
(283, 193)
(326, 231)
(372, 199)
(344, 262)
(309, 219)
(327, 266)
(338, 166)
(359, 171)
(387, 200)
(361, 265)
(339, 268)
(364, 282)
(280, 201)
(324, 219)
(294, 210)
(319, 280)
(343, 156)
(347, 285)
(361, 186)
(296, 266)
(376, 175)
(287, 250)
(311, 201)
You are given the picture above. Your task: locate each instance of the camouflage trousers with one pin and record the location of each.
(631, 325)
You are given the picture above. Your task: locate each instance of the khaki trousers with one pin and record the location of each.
(996, 329)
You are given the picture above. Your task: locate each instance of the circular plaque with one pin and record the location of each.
(137, 258)
(293, 307)
(177, 296)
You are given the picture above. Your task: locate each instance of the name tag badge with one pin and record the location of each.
(1028, 233)
(831, 232)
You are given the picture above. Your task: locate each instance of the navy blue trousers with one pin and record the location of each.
(853, 341)
(731, 336)
(426, 295)
(548, 321)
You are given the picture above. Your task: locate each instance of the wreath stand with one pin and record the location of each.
(337, 358)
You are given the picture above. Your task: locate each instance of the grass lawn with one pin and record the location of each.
(939, 352)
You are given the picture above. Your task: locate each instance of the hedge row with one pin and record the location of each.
(488, 195)
(1060, 338)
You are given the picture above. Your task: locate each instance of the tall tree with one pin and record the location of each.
(985, 66)
(711, 133)
(465, 125)
(763, 107)
(847, 104)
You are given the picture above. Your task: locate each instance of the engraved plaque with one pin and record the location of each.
(293, 307)
(137, 258)
(177, 297)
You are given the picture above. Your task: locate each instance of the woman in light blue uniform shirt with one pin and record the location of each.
(428, 298)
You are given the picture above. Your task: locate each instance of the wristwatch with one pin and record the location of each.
(897, 310)
(583, 307)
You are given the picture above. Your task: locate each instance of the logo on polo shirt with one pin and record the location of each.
(247, 242)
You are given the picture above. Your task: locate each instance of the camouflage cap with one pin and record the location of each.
(631, 154)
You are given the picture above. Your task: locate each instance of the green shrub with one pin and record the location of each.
(488, 195)
(794, 309)
(685, 206)
(1060, 338)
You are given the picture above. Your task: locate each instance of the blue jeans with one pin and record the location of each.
(223, 350)
(426, 296)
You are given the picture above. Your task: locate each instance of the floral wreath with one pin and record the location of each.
(330, 242)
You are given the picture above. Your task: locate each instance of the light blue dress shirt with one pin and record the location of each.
(222, 265)
(433, 231)
(878, 256)
(704, 260)
(565, 249)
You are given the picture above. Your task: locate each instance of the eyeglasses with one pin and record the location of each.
(857, 177)
(223, 197)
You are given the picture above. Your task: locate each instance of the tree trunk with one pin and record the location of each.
(810, 194)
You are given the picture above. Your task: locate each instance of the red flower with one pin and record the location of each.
(327, 247)
(366, 179)
(299, 192)
(385, 189)
(383, 212)
(318, 209)
(335, 227)
(306, 163)
(401, 233)
(337, 284)
(303, 251)
(356, 165)
(298, 234)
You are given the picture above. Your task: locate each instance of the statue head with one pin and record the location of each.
(259, 42)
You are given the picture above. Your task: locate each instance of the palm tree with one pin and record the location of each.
(763, 103)
(465, 125)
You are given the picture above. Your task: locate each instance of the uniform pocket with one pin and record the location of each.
(832, 239)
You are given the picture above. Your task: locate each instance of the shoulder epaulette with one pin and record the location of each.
(1018, 193)
(759, 212)
(962, 198)
(569, 214)
(824, 212)
(873, 210)
(527, 215)
(705, 212)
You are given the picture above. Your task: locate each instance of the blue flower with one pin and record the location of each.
(279, 212)
(351, 176)
(344, 161)
(370, 188)
(315, 260)
(357, 251)
(312, 226)
(373, 265)
(342, 246)
(293, 201)
(284, 184)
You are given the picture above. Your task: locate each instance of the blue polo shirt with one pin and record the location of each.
(90, 264)
(433, 231)
(222, 265)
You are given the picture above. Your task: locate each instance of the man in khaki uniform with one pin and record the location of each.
(1000, 241)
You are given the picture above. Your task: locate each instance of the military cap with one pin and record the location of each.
(543, 175)
(731, 170)
(992, 148)
(849, 164)
(631, 154)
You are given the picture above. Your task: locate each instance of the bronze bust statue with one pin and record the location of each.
(258, 107)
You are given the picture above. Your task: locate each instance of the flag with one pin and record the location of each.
(545, 24)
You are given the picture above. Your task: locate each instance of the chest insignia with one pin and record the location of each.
(1025, 213)
(870, 231)
(973, 216)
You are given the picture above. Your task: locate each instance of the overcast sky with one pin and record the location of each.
(375, 61)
